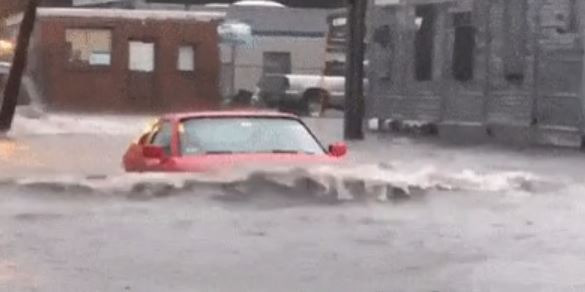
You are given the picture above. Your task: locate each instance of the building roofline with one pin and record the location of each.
(130, 14)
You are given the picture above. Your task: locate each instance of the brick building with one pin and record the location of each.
(480, 70)
(121, 60)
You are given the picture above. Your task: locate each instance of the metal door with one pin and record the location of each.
(141, 73)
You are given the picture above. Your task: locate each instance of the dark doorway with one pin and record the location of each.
(277, 63)
(463, 47)
(515, 40)
(424, 41)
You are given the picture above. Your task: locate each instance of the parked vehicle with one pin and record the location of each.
(6, 50)
(307, 95)
(206, 141)
(312, 94)
(4, 72)
(303, 94)
(4, 68)
(24, 95)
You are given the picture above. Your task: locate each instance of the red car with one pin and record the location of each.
(205, 141)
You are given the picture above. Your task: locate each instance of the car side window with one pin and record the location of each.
(162, 137)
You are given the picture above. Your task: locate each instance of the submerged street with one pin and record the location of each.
(100, 194)
(484, 218)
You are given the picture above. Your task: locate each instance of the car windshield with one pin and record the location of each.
(246, 135)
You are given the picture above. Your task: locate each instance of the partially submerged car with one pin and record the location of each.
(205, 141)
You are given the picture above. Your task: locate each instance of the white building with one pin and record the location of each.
(285, 40)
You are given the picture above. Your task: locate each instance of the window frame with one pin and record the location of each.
(193, 46)
(88, 67)
(155, 56)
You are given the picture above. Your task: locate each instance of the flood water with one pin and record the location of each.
(400, 215)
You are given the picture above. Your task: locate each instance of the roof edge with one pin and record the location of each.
(130, 14)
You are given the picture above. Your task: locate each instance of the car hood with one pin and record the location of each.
(205, 163)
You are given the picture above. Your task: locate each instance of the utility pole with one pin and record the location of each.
(234, 68)
(18, 66)
(354, 75)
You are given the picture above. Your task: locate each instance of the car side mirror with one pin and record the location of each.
(338, 149)
(153, 152)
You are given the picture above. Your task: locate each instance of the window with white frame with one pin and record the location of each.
(186, 59)
(141, 56)
(92, 47)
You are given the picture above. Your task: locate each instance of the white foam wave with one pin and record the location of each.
(335, 182)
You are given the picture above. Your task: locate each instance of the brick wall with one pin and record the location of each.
(106, 89)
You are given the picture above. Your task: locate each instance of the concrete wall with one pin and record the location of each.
(560, 65)
(394, 91)
(520, 89)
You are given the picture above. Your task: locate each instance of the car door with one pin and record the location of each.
(133, 158)
(159, 134)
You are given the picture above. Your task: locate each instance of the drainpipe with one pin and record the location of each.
(486, 10)
(534, 123)
(233, 52)
(581, 30)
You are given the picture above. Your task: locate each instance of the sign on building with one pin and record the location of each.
(235, 33)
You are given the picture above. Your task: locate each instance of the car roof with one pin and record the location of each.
(228, 113)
